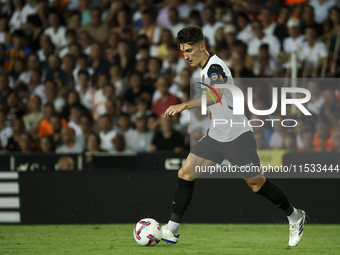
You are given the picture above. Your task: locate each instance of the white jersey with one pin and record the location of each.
(215, 71)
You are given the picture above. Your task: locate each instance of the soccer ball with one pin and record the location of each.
(147, 232)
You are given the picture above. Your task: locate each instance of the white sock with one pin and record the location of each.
(294, 217)
(174, 227)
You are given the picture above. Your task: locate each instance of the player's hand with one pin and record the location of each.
(173, 109)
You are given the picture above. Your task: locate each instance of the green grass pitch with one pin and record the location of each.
(195, 239)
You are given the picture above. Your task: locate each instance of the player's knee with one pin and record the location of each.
(182, 174)
(255, 187)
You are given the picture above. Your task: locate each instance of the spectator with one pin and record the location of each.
(46, 144)
(103, 79)
(74, 21)
(119, 145)
(135, 88)
(260, 38)
(55, 73)
(322, 140)
(260, 141)
(51, 92)
(124, 124)
(72, 97)
(307, 20)
(281, 29)
(139, 140)
(307, 141)
(15, 21)
(16, 49)
(56, 31)
(277, 137)
(334, 17)
(230, 33)
(244, 27)
(167, 139)
(125, 58)
(69, 145)
(84, 8)
(123, 24)
(85, 42)
(149, 29)
(211, 27)
(267, 23)
(111, 47)
(26, 143)
(112, 111)
(33, 63)
(238, 69)
(4, 33)
(47, 48)
(106, 133)
(35, 115)
(15, 109)
(5, 90)
(173, 62)
(5, 132)
(100, 108)
(97, 62)
(153, 123)
(289, 142)
(18, 128)
(336, 139)
(76, 111)
(116, 79)
(34, 26)
(142, 5)
(85, 124)
(66, 163)
(22, 91)
(82, 65)
(322, 7)
(161, 50)
(264, 65)
(71, 38)
(30, 8)
(85, 91)
(330, 110)
(195, 18)
(19, 67)
(295, 40)
(312, 52)
(68, 65)
(96, 29)
(36, 86)
(315, 103)
(53, 125)
(167, 99)
(175, 24)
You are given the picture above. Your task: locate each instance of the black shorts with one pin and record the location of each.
(239, 152)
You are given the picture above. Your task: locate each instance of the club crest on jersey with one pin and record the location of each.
(216, 77)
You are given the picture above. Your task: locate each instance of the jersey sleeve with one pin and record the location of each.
(217, 75)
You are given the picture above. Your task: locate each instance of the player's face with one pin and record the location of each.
(192, 53)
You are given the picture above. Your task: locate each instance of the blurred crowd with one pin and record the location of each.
(92, 76)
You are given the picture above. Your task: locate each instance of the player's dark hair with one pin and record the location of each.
(190, 35)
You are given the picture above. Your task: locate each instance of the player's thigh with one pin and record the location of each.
(187, 172)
